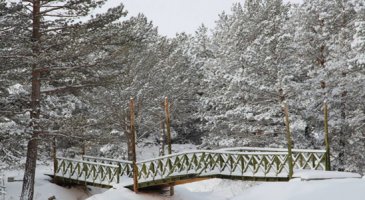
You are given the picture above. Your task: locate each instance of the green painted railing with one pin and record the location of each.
(90, 172)
(126, 167)
(233, 162)
(205, 163)
(302, 158)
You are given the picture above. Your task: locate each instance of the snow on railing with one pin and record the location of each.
(126, 166)
(98, 173)
(259, 149)
(86, 157)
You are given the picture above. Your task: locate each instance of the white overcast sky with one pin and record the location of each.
(172, 16)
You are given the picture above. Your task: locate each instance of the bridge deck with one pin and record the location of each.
(174, 180)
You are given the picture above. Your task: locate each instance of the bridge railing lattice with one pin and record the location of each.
(205, 163)
(302, 158)
(232, 162)
(126, 167)
(85, 171)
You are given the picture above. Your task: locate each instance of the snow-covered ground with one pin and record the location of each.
(344, 186)
(218, 189)
(334, 189)
(43, 187)
(204, 190)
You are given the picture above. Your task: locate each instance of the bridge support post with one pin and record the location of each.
(133, 145)
(326, 139)
(288, 138)
(162, 136)
(168, 132)
(119, 172)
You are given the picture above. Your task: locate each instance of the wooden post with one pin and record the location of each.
(168, 129)
(54, 157)
(129, 137)
(326, 139)
(162, 136)
(289, 141)
(133, 140)
(168, 132)
(119, 172)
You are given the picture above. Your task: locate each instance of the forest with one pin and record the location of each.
(68, 74)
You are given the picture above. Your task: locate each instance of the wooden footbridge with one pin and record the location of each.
(257, 164)
(245, 163)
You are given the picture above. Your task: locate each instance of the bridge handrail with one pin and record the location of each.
(107, 159)
(254, 149)
(87, 162)
(308, 151)
(96, 173)
(272, 149)
(236, 151)
(241, 161)
(210, 151)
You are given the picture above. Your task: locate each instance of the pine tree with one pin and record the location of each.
(325, 37)
(58, 46)
(13, 72)
(249, 47)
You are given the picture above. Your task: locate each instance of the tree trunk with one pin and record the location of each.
(134, 159)
(30, 165)
(168, 131)
(343, 132)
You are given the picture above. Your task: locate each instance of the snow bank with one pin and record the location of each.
(339, 186)
(318, 175)
(204, 190)
(43, 188)
(122, 193)
(334, 189)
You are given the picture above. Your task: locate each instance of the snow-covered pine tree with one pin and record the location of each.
(358, 43)
(13, 73)
(325, 35)
(248, 46)
(58, 46)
